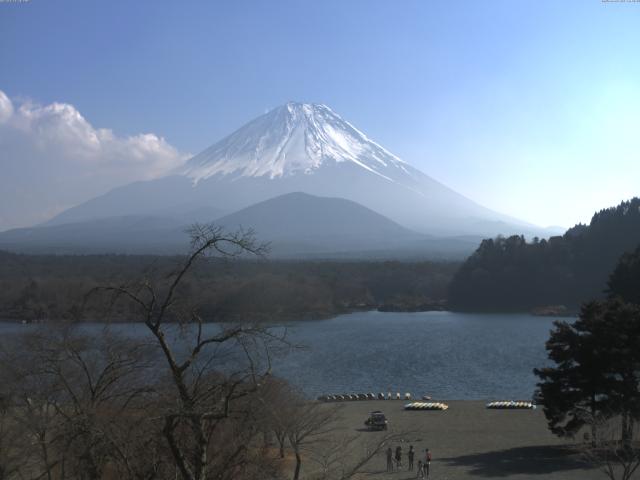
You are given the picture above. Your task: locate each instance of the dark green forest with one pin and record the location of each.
(625, 279)
(512, 274)
(49, 287)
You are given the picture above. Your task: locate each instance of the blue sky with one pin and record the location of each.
(529, 107)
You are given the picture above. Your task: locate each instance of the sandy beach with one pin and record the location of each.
(470, 441)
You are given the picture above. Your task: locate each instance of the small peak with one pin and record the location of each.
(304, 106)
(292, 104)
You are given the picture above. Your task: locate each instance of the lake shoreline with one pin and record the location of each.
(314, 316)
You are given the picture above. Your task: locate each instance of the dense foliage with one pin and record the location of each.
(596, 360)
(625, 279)
(593, 381)
(513, 274)
(41, 287)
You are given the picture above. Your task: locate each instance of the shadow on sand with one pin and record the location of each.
(536, 460)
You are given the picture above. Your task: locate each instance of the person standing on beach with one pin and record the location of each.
(389, 460)
(420, 473)
(398, 457)
(427, 462)
(410, 455)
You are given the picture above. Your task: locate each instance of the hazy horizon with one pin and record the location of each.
(527, 110)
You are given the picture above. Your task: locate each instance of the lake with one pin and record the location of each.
(446, 355)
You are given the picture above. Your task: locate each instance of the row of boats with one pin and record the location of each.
(366, 396)
(426, 406)
(511, 404)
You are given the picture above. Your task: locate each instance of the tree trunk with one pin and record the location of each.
(181, 462)
(594, 428)
(296, 473)
(281, 438)
(627, 425)
(45, 455)
(202, 447)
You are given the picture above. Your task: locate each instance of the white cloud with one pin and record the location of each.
(6, 107)
(52, 158)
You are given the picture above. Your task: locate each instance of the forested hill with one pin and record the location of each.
(53, 287)
(511, 274)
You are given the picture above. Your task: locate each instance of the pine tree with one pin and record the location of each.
(624, 282)
(597, 361)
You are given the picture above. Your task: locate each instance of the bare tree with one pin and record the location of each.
(36, 415)
(342, 457)
(214, 367)
(11, 458)
(306, 423)
(30, 410)
(275, 400)
(94, 406)
(294, 420)
(70, 393)
(615, 448)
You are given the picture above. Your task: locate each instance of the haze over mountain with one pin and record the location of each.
(296, 225)
(303, 148)
(126, 234)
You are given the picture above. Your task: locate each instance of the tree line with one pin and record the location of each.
(513, 274)
(47, 287)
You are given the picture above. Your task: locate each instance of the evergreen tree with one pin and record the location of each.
(624, 282)
(596, 372)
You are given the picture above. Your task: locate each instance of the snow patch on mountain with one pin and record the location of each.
(296, 138)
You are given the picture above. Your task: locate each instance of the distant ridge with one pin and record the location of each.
(298, 222)
(298, 225)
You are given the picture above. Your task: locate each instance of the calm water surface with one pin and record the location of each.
(446, 355)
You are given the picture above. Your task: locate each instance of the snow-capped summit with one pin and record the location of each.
(292, 139)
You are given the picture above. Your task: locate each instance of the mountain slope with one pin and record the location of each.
(301, 225)
(304, 148)
(298, 222)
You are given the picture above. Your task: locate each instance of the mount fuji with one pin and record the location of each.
(311, 181)
(302, 147)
